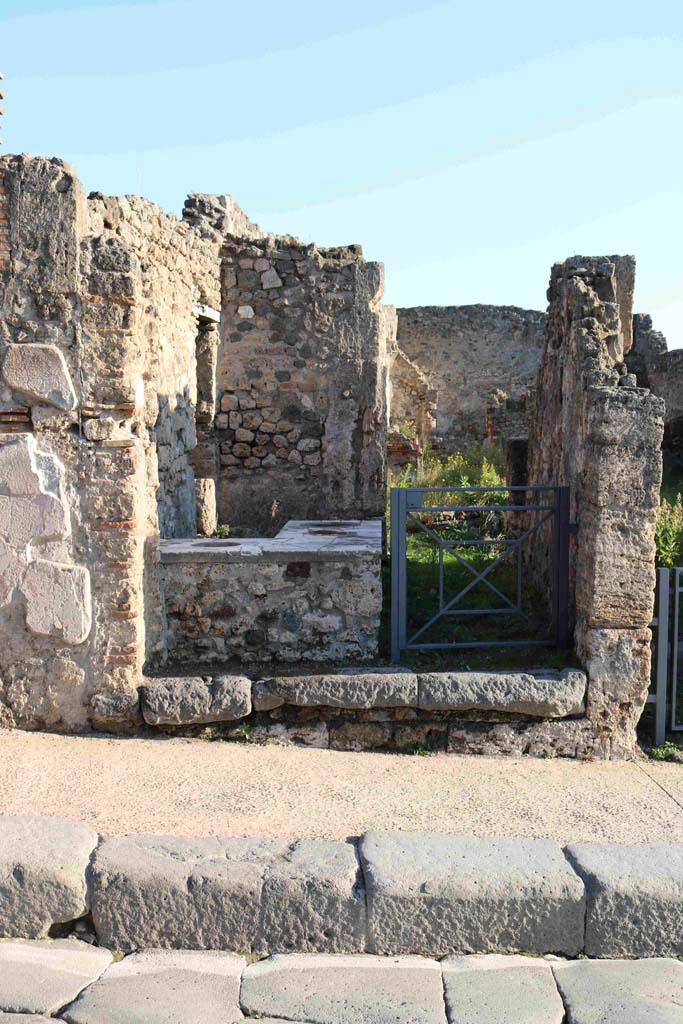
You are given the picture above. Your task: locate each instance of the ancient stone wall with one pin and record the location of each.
(662, 372)
(98, 347)
(595, 431)
(469, 354)
(303, 379)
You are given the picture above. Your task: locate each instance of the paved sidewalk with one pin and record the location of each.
(194, 787)
(71, 981)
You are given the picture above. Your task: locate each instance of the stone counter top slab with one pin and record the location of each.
(298, 541)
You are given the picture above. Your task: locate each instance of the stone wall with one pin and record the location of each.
(662, 372)
(303, 379)
(98, 327)
(313, 593)
(469, 354)
(595, 431)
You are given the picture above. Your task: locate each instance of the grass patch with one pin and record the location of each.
(667, 752)
(487, 615)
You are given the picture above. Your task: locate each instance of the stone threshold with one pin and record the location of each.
(71, 981)
(197, 700)
(386, 893)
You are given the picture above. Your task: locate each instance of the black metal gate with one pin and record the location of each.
(473, 578)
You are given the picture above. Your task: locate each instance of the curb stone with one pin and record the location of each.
(434, 894)
(253, 895)
(43, 868)
(634, 898)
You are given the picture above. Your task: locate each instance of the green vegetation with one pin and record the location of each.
(667, 752)
(475, 466)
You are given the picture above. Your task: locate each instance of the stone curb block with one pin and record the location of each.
(451, 894)
(350, 688)
(188, 700)
(634, 896)
(542, 694)
(43, 869)
(192, 700)
(245, 895)
(426, 894)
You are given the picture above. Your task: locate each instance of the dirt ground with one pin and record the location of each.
(194, 787)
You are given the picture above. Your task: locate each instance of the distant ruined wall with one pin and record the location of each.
(662, 372)
(594, 430)
(303, 384)
(468, 354)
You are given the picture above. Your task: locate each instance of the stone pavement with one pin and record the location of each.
(191, 787)
(71, 981)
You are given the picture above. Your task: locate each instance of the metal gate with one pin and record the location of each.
(667, 650)
(443, 520)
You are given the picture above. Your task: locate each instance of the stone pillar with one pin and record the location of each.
(204, 456)
(594, 430)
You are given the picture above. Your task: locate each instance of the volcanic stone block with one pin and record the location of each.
(514, 989)
(436, 894)
(634, 896)
(543, 694)
(163, 986)
(41, 977)
(313, 900)
(40, 374)
(188, 700)
(641, 992)
(230, 893)
(345, 989)
(43, 864)
(350, 688)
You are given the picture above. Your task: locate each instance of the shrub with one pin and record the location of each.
(669, 533)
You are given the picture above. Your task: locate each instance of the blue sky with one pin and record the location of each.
(466, 145)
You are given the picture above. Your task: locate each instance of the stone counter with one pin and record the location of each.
(312, 593)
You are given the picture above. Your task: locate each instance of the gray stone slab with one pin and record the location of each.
(42, 975)
(345, 989)
(231, 893)
(188, 700)
(497, 989)
(43, 863)
(634, 898)
(349, 688)
(435, 894)
(163, 987)
(544, 694)
(25, 1018)
(621, 991)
